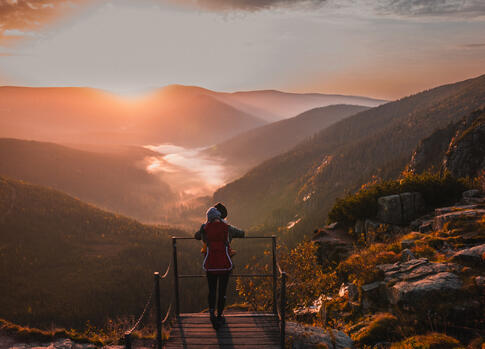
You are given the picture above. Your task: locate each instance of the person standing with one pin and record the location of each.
(217, 235)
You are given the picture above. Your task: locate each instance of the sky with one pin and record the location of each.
(377, 48)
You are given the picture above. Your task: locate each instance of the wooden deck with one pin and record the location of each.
(241, 330)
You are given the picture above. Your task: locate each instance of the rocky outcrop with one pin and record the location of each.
(458, 148)
(473, 256)
(400, 208)
(466, 153)
(454, 214)
(412, 282)
(430, 151)
(310, 337)
(333, 245)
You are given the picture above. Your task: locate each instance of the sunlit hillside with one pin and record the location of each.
(305, 181)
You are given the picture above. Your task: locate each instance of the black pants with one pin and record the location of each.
(223, 280)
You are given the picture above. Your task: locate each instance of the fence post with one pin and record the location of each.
(275, 305)
(158, 315)
(127, 341)
(283, 310)
(176, 276)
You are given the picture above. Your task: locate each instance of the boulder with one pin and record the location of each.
(373, 295)
(309, 337)
(440, 220)
(399, 208)
(407, 255)
(420, 291)
(333, 245)
(473, 193)
(480, 282)
(406, 244)
(471, 256)
(417, 280)
(413, 269)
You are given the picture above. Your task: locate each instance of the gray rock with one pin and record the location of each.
(400, 208)
(444, 210)
(440, 221)
(432, 286)
(471, 256)
(480, 282)
(359, 227)
(466, 153)
(426, 227)
(373, 295)
(309, 337)
(406, 244)
(407, 255)
(413, 270)
(473, 193)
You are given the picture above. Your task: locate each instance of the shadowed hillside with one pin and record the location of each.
(116, 181)
(64, 260)
(377, 142)
(254, 146)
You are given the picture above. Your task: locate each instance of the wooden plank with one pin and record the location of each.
(215, 346)
(225, 335)
(235, 314)
(235, 320)
(240, 330)
(224, 341)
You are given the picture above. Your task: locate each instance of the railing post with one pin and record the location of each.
(275, 305)
(127, 341)
(283, 311)
(158, 310)
(176, 276)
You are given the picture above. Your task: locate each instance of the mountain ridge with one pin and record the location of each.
(322, 168)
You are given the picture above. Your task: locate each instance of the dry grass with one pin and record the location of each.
(429, 341)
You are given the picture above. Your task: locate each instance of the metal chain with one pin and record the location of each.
(147, 305)
(149, 301)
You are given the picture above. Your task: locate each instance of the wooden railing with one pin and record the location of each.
(277, 273)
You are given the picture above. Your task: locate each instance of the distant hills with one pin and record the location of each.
(377, 143)
(115, 180)
(183, 115)
(250, 148)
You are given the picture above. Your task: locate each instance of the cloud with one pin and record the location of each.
(432, 8)
(18, 18)
(250, 5)
(475, 45)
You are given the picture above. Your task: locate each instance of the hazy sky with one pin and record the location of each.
(379, 48)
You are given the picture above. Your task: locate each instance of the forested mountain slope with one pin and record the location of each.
(116, 181)
(248, 149)
(65, 262)
(378, 142)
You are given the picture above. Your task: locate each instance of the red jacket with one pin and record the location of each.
(217, 259)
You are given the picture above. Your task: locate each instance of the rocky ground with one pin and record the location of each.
(434, 282)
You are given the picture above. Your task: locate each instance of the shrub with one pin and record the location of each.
(437, 190)
(429, 341)
(306, 279)
(360, 267)
(383, 327)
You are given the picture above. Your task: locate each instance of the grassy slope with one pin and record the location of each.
(376, 142)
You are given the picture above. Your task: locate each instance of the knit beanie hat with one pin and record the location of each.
(222, 209)
(213, 214)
